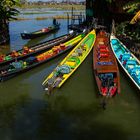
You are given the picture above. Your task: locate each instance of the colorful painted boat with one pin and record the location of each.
(105, 66)
(33, 50)
(41, 32)
(127, 60)
(17, 67)
(71, 62)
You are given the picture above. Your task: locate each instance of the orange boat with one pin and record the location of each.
(105, 66)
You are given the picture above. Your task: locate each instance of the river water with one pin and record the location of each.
(73, 112)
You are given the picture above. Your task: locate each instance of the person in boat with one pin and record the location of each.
(54, 21)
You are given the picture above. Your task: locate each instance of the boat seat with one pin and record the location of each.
(114, 41)
(8, 57)
(137, 67)
(106, 75)
(101, 46)
(126, 56)
(131, 62)
(101, 43)
(109, 75)
(63, 69)
(104, 63)
(130, 68)
(17, 65)
(104, 50)
(71, 64)
(104, 55)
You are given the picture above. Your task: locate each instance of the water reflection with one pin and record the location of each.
(35, 41)
(9, 106)
(73, 111)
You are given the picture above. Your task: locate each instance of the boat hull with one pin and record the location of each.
(38, 48)
(105, 67)
(73, 60)
(38, 33)
(68, 45)
(127, 60)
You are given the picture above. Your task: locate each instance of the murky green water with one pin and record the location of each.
(72, 113)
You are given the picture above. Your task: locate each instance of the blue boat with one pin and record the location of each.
(127, 60)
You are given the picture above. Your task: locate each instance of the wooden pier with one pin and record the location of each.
(76, 20)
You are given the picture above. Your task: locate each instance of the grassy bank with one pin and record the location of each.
(54, 6)
(49, 12)
(56, 17)
(46, 17)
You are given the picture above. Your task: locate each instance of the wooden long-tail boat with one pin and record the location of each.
(33, 50)
(71, 62)
(105, 66)
(17, 67)
(127, 60)
(41, 32)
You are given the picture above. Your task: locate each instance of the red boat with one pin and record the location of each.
(105, 66)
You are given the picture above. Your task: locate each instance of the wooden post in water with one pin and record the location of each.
(67, 20)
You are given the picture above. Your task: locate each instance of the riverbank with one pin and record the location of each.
(54, 6)
(45, 17)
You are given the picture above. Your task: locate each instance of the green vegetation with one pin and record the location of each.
(7, 10)
(32, 13)
(132, 6)
(125, 28)
(131, 31)
(52, 17)
(49, 12)
(54, 6)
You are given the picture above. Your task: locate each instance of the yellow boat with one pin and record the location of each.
(71, 62)
(62, 48)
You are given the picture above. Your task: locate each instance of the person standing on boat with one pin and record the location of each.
(54, 21)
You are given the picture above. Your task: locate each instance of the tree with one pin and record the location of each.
(132, 6)
(7, 10)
